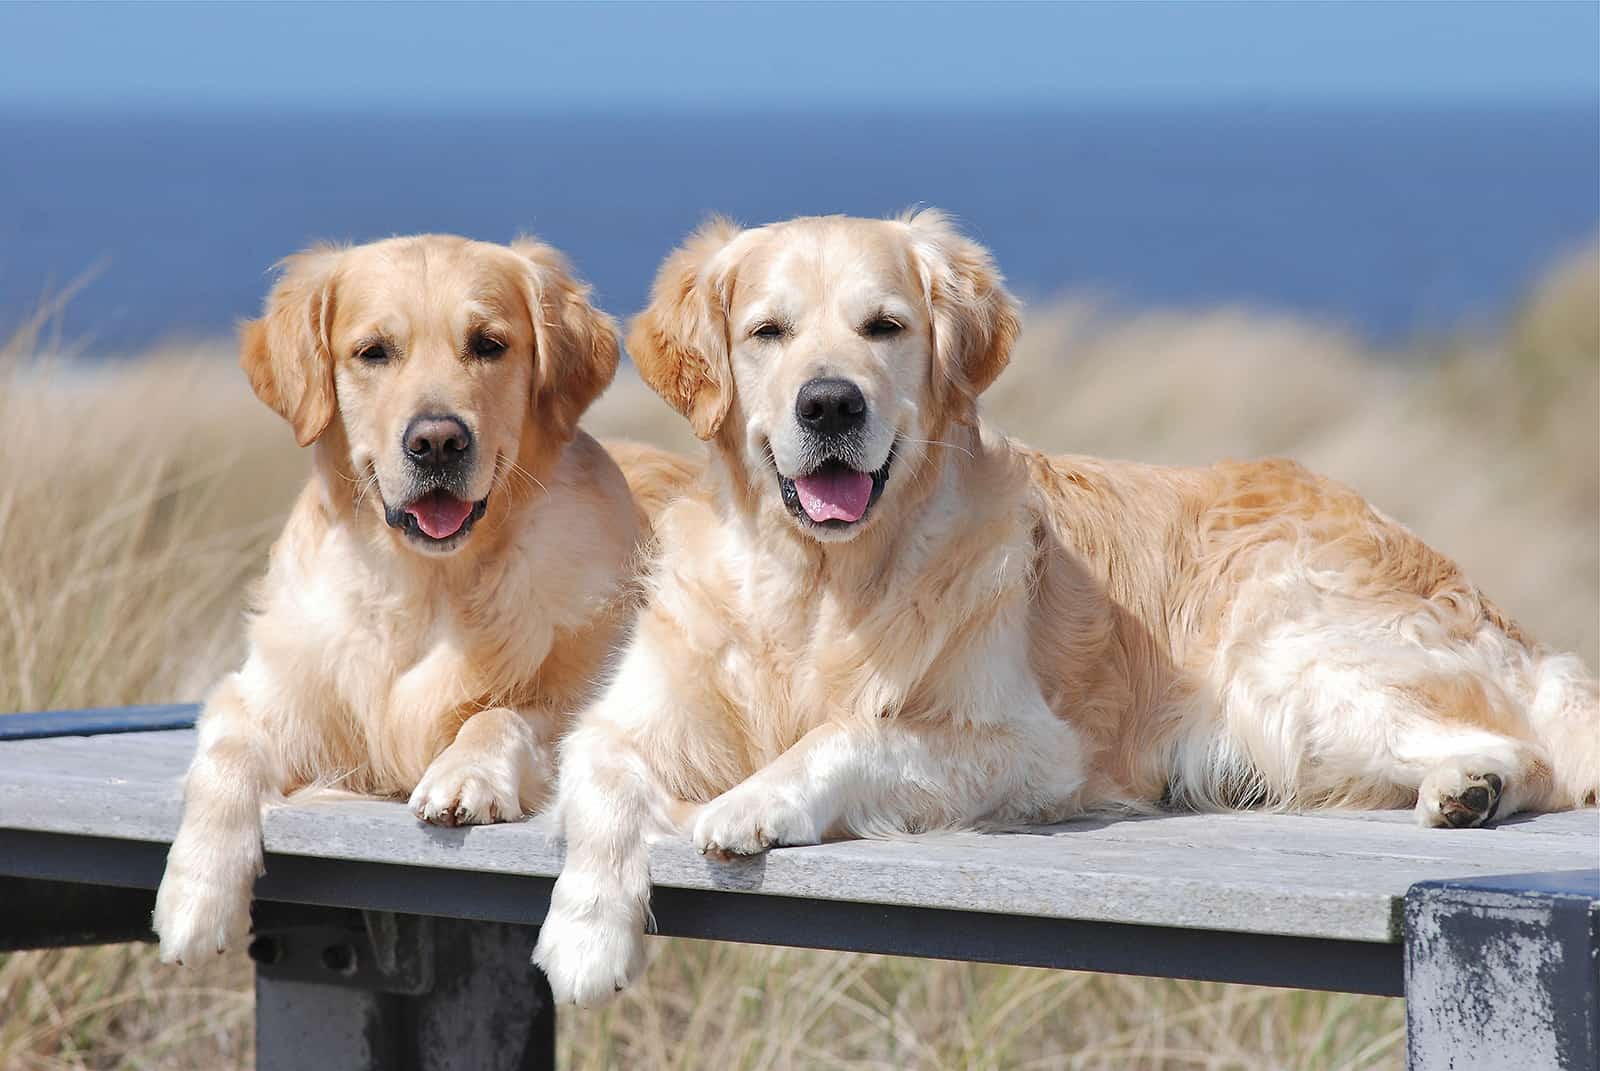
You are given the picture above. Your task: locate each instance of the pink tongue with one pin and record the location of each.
(836, 495)
(439, 515)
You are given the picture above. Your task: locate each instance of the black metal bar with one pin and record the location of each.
(56, 914)
(1254, 959)
(97, 721)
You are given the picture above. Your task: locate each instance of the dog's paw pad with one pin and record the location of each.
(1462, 800)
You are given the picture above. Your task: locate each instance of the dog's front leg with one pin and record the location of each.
(610, 803)
(203, 905)
(497, 769)
(887, 776)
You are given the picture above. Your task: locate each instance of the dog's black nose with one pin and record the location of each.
(830, 406)
(437, 441)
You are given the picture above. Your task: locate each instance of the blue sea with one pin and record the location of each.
(1393, 222)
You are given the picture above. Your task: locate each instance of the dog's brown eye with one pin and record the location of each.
(487, 347)
(768, 332)
(882, 327)
(373, 353)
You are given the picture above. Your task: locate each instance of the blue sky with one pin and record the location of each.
(521, 56)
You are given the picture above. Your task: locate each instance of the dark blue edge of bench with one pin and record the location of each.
(1554, 884)
(98, 721)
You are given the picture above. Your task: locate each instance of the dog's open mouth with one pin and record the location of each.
(438, 517)
(833, 495)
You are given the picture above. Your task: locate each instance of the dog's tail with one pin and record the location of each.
(1565, 716)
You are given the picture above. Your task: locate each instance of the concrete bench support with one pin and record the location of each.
(374, 991)
(1503, 972)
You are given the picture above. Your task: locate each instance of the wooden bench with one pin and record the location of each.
(383, 942)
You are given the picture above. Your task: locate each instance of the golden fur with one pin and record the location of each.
(381, 660)
(1003, 637)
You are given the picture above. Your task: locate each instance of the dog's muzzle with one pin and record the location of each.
(834, 492)
(439, 449)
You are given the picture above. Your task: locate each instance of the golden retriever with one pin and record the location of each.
(453, 576)
(876, 615)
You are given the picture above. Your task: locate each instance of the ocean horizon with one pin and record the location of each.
(1391, 222)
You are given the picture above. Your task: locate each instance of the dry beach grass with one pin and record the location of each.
(139, 497)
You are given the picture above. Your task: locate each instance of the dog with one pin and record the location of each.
(453, 577)
(875, 615)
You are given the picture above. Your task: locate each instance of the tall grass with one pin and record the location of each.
(139, 498)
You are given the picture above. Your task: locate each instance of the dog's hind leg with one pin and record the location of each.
(1565, 715)
(1471, 778)
(1370, 711)
(203, 905)
(1465, 732)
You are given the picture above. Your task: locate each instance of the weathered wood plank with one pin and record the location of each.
(1326, 875)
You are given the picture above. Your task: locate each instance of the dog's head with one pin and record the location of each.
(440, 369)
(825, 355)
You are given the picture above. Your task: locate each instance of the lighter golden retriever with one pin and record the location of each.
(454, 574)
(877, 615)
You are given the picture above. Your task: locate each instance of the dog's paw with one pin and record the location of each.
(198, 919)
(1459, 795)
(458, 790)
(748, 820)
(590, 948)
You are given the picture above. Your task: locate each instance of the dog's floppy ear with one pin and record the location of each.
(679, 342)
(575, 344)
(286, 352)
(975, 320)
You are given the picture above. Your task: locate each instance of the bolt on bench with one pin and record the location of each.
(382, 942)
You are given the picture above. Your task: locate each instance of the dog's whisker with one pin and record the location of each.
(512, 466)
(365, 485)
(937, 442)
(514, 476)
(501, 480)
(507, 477)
